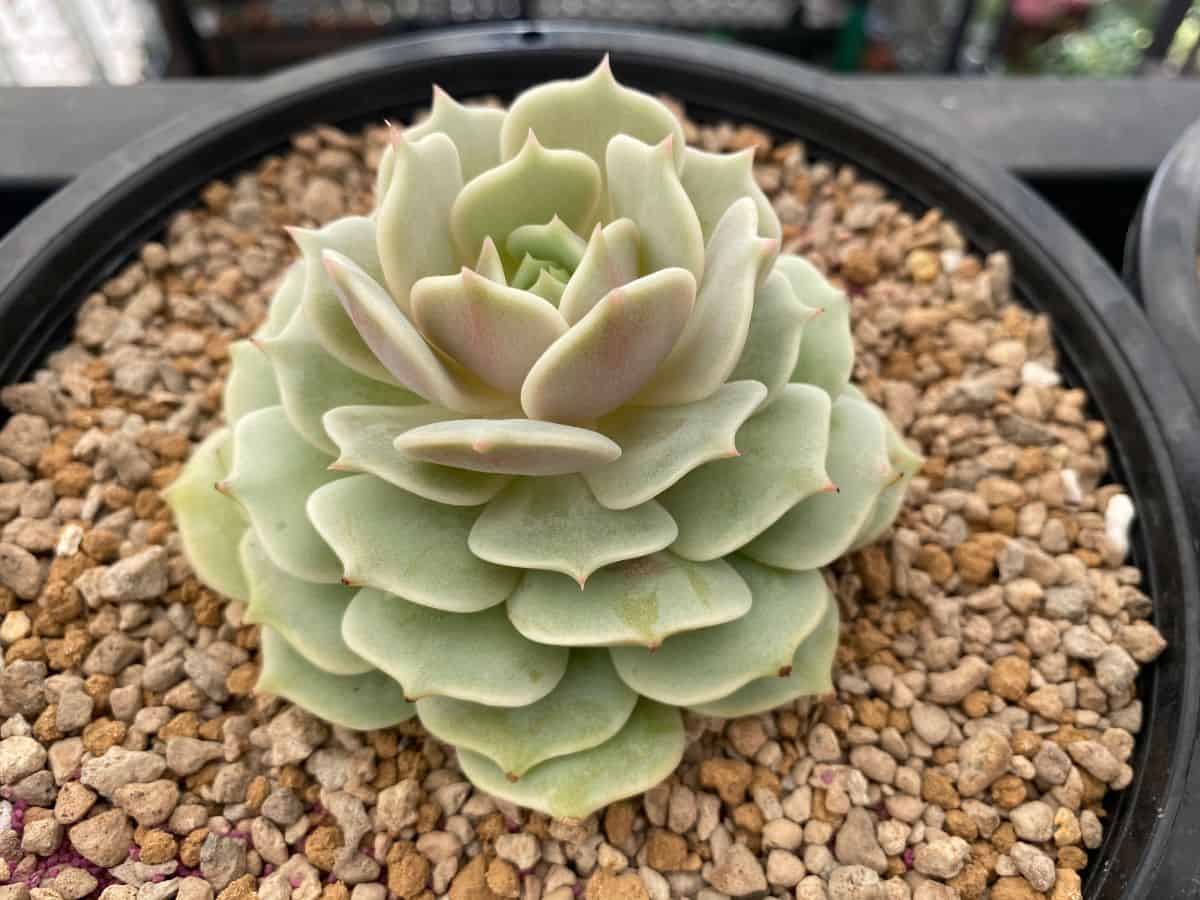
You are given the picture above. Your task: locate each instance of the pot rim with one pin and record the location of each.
(123, 200)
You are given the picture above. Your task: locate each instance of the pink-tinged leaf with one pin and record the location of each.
(508, 446)
(400, 347)
(496, 332)
(610, 260)
(610, 353)
(711, 344)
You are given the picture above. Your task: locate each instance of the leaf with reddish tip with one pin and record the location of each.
(644, 186)
(710, 346)
(389, 539)
(586, 113)
(782, 461)
(402, 349)
(274, 471)
(311, 382)
(494, 331)
(661, 444)
(644, 752)
(478, 657)
(811, 674)
(553, 241)
(413, 222)
(362, 702)
(508, 446)
(364, 434)
(608, 355)
(308, 615)
(826, 356)
(610, 261)
(586, 708)
(354, 238)
(773, 342)
(821, 528)
(714, 181)
(640, 601)
(556, 524)
(703, 666)
(531, 187)
(474, 129)
(210, 524)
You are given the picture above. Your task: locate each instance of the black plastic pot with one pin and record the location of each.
(1160, 255)
(48, 264)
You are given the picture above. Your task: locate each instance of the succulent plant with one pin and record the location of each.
(547, 450)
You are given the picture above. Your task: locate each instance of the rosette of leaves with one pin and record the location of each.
(546, 451)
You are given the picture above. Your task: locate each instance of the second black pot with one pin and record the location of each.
(1161, 255)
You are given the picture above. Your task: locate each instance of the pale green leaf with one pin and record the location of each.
(274, 470)
(474, 129)
(773, 343)
(661, 444)
(490, 265)
(640, 601)
(530, 270)
(638, 757)
(644, 186)
(383, 176)
(285, 301)
(364, 434)
(308, 615)
(389, 539)
(401, 348)
(556, 524)
(353, 238)
(311, 382)
(610, 260)
(548, 287)
(709, 348)
(818, 530)
(478, 657)
(413, 222)
(723, 504)
(587, 707)
(586, 113)
(210, 524)
(827, 349)
(250, 384)
(533, 186)
(508, 446)
(607, 356)
(811, 675)
(553, 241)
(702, 666)
(714, 181)
(363, 702)
(905, 465)
(494, 331)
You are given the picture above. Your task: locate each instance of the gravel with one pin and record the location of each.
(985, 696)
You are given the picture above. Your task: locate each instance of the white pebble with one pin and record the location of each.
(1038, 375)
(1071, 489)
(1118, 518)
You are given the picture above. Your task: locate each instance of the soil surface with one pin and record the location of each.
(985, 699)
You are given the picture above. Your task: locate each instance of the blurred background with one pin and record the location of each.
(74, 42)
